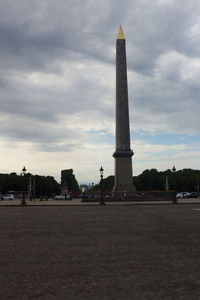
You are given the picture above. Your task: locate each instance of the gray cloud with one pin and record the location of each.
(57, 68)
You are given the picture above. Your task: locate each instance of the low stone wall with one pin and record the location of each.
(141, 196)
(156, 195)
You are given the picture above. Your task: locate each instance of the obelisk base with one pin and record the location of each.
(126, 192)
(123, 175)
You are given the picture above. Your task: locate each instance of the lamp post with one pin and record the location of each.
(46, 188)
(174, 170)
(23, 186)
(41, 191)
(166, 184)
(30, 188)
(101, 184)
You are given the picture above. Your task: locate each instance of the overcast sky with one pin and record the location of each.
(57, 84)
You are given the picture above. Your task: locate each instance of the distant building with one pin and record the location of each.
(84, 187)
(69, 182)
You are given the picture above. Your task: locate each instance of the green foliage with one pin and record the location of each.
(41, 185)
(107, 184)
(150, 180)
(183, 180)
(45, 186)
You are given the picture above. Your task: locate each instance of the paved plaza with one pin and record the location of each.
(100, 252)
(78, 202)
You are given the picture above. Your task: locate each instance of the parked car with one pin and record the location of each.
(62, 197)
(194, 195)
(8, 197)
(183, 195)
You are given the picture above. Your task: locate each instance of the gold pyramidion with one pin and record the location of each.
(120, 34)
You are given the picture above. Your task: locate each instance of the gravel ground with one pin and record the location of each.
(100, 252)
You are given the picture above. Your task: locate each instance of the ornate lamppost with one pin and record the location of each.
(166, 184)
(30, 188)
(41, 191)
(101, 184)
(174, 198)
(23, 186)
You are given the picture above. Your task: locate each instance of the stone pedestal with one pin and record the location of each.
(123, 175)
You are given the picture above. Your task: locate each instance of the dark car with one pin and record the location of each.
(194, 195)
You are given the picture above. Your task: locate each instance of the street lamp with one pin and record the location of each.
(101, 184)
(174, 170)
(30, 188)
(23, 186)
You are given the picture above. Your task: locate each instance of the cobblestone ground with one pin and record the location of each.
(100, 252)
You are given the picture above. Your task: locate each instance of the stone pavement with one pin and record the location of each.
(100, 252)
(77, 201)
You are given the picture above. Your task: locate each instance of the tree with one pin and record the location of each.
(41, 185)
(151, 179)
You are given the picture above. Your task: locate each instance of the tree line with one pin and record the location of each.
(39, 186)
(152, 179)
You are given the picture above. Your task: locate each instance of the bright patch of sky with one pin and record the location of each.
(166, 138)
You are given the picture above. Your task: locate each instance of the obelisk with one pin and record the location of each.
(123, 154)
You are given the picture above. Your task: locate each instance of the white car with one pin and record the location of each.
(182, 195)
(8, 197)
(61, 197)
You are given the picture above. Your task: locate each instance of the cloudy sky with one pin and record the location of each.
(57, 84)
